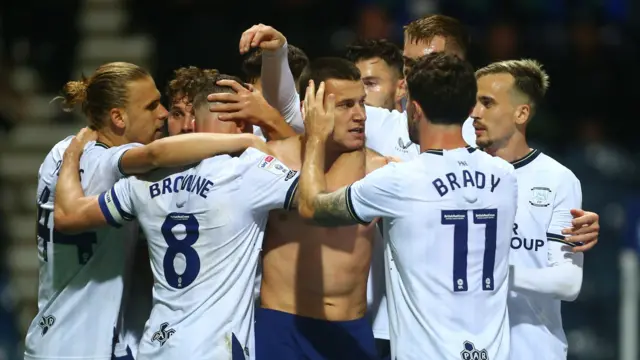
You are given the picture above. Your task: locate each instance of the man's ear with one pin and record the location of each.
(118, 118)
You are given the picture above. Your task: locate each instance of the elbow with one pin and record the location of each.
(306, 211)
(570, 289)
(62, 221)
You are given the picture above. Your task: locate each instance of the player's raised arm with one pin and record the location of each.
(184, 149)
(562, 278)
(335, 208)
(278, 83)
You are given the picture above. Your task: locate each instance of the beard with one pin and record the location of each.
(413, 124)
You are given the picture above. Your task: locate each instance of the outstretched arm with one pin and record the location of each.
(185, 149)
(278, 84)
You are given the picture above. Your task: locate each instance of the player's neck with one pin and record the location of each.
(445, 137)
(514, 149)
(110, 139)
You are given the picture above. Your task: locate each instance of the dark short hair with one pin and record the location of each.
(252, 63)
(209, 86)
(427, 27)
(445, 87)
(186, 83)
(381, 48)
(323, 69)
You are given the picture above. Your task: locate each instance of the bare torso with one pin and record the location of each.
(313, 271)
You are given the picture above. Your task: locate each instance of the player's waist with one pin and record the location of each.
(332, 308)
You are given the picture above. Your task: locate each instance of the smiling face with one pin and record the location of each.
(350, 115)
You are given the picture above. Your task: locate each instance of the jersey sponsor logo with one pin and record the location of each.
(290, 175)
(519, 241)
(540, 196)
(46, 323)
(471, 353)
(266, 161)
(162, 335)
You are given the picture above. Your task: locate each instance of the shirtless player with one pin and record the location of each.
(314, 279)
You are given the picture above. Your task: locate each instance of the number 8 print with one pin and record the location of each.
(184, 247)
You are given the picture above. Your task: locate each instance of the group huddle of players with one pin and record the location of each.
(381, 219)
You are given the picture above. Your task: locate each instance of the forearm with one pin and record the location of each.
(181, 150)
(69, 200)
(562, 281)
(276, 128)
(312, 177)
(278, 85)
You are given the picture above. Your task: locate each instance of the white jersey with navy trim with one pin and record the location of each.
(81, 276)
(450, 243)
(547, 193)
(204, 228)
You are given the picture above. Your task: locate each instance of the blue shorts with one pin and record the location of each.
(284, 336)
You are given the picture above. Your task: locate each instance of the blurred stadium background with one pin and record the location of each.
(591, 49)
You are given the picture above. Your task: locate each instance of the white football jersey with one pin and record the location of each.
(448, 216)
(547, 193)
(382, 129)
(81, 276)
(204, 227)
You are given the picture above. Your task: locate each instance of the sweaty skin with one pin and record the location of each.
(312, 271)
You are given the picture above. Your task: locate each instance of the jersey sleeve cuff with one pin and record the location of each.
(291, 193)
(352, 210)
(561, 239)
(112, 209)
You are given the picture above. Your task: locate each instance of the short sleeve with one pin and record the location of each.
(116, 204)
(377, 195)
(568, 196)
(113, 163)
(267, 183)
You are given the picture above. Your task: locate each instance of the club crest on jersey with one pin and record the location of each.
(471, 353)
(540, 196)
(162, 335)
(46, 323)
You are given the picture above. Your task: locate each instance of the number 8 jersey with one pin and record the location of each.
(81, 275)
(204, 227)
(448, 217)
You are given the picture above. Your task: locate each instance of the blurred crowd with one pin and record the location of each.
(590, 48)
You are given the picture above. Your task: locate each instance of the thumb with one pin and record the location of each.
(269, 44)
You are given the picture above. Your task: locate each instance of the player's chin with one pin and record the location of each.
(354, 144)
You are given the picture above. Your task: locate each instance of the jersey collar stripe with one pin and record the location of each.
(125, 215)
(105, 211)
(101, 144)
(441, 152)
(291, 193)
(120, 164)
(527, 159)
(350, 208)
(561, 239)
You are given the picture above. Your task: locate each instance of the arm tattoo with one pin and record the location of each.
(331, 209)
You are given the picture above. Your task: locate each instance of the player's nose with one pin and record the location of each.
(476, 112)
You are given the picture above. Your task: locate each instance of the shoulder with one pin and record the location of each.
(555, 171)
(378, 118)
(374, 160)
